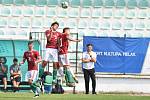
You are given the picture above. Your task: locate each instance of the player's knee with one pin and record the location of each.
(44, 63)
(56, 65)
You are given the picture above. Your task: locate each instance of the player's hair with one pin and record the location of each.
(89, 45)
(54, 23)
(30, 42)
(15, 60)
(66, 28)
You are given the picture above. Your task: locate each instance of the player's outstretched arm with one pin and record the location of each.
(74, 40)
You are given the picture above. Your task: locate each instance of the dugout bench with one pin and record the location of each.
(23, 85)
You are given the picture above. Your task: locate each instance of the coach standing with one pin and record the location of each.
(89, 58)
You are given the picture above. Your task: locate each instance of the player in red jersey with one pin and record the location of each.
(63, 56)
(52, 45)
(33, 58)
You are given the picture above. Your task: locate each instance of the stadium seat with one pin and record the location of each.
(80, 48)
(47, 22)
(132, 4)
(73, 12)
(98, 3)
(72, 23)
(105, 25)
(19, 2)
(62, 12)
(135, 34)
(25, 22)
(27, 11)
(146, 34)
(109, 3)
(113, 34)
(148, 25)
(22, 33)
(142, 14)
(120, 3)
(51, 12)
(30, 2)
(86, 3)
(139, 26)
(116, 25)
(119, 13)
(82, 24)
(131, 14)
(37, 23)
(128, 26)
(39, 11)
(75, 3)
(7, 2)
(61, 22)
(103, 34)
(14, 22)
(107, 13)
(85, 12)
(94, 24)
(52, 2)
(3, 22)
(80, 33)
(96, 12)
(1, 32)
(16, 11)
(10, 32)
(143, 4)
(90, 33)
(41, 2)
(5, 11)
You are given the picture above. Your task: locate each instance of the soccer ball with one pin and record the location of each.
(64, 5)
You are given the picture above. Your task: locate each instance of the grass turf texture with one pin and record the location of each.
(29, 96)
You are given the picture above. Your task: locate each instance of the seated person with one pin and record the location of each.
(15, 74)
(3, 73)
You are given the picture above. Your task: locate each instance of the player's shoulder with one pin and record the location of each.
(46, 31)
(25, 52)
(35, 52)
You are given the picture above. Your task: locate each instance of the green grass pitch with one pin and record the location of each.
(29, 96)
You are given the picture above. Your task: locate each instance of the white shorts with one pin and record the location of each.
(51, 55)
(64, 59)
(32, 74)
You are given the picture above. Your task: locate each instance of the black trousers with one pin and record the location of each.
(89, 73)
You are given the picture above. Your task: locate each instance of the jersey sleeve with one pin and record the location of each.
(37, 54)
(47, 32)
(24, 56)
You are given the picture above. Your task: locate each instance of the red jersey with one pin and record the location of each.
(53, 42)
(31, 57)
(64, 44)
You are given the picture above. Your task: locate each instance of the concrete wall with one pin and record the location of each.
(117, 84)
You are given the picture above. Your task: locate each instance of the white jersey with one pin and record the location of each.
(88, 65)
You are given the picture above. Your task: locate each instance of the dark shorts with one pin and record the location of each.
(3, 76)
(17, 79)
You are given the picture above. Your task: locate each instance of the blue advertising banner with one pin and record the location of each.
(118, 55)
